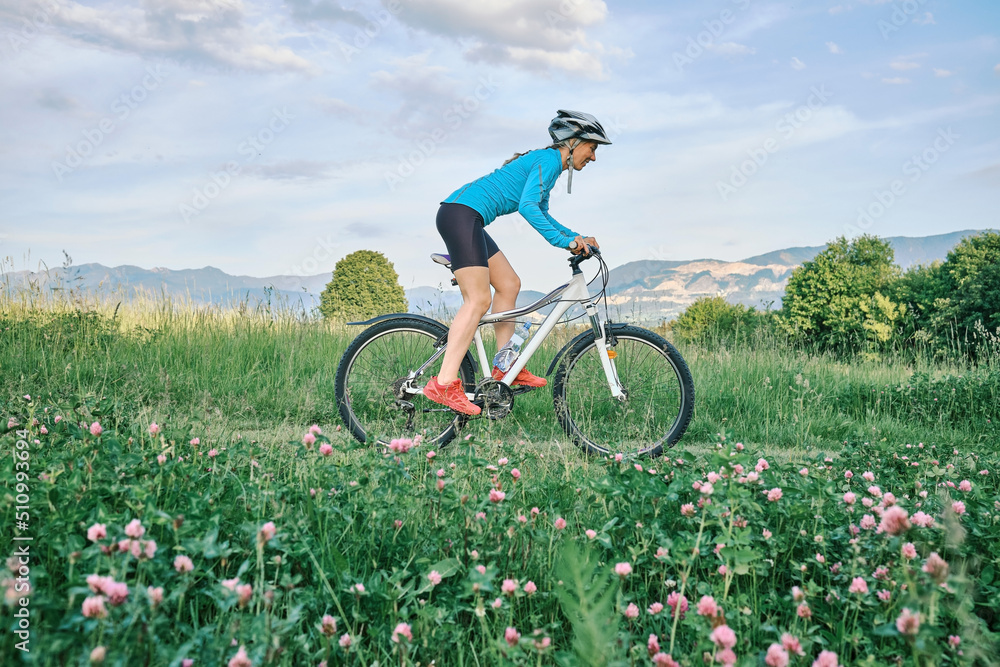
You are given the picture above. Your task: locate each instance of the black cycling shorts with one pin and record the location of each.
(463, 232)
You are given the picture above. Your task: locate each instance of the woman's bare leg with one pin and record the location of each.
(507, 286)
(474, 281)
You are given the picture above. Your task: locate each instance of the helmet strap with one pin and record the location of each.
(569, 165)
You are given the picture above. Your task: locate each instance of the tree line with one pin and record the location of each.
(852, 298)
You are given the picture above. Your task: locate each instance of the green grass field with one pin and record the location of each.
(259, 371)
(233, 392)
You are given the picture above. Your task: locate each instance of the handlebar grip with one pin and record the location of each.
(573, 245)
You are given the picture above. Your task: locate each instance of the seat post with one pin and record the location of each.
(445, 261)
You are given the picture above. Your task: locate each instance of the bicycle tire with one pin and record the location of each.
(600, 424)
(364, 391)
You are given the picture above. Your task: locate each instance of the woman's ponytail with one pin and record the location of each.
(517, 155)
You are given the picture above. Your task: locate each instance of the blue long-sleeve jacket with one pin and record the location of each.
(522, 185)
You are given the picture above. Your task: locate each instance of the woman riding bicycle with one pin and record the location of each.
(522, 184)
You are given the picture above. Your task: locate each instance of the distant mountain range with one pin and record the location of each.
(645, 290)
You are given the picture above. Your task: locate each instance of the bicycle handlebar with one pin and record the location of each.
(576, 260)
(573, 245)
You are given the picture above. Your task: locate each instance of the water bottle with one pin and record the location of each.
(507, 354)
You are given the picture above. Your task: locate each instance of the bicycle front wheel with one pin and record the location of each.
(374, 372)
(659, 393)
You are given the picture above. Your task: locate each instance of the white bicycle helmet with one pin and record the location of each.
(572, 127)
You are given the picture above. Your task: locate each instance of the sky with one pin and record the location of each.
(275, 137)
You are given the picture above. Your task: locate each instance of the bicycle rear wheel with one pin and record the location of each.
(659, 392)
(373, 372)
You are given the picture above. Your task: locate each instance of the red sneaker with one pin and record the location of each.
(523, 379)
(451, 396)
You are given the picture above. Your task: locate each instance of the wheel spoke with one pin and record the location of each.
(383, 361)
(642, 423)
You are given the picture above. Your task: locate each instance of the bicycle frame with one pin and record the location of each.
(575, 291)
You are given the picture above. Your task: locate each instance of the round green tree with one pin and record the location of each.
(364, 285)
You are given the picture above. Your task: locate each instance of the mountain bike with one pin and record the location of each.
(616, 387)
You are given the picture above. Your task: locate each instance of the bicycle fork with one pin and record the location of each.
(605, 353)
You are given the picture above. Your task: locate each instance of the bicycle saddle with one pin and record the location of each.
(441, 258)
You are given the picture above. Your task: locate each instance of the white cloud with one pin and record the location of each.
(997, 68)
(733, 49)
(763, 17)
(798, 64)
(56, 101)
(825, 124)
(575, 60)
(896, 81)
(412, 75)
(530, 34)
(942, 72)
(649, 112)
(341, 109)
(429, 95)
(833, 48)
(926, 19)
(836, 9)
(321, 10)
(292, 170)
(903, 65)
(217, 32)
(527, 23)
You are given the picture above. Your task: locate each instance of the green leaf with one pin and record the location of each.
(447, 567)
(885, 630)
(587, 598)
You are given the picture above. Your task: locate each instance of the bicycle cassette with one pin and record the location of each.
(495, 398)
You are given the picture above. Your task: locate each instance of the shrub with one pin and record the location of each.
(955, 305)
(839, 299)
(364, 284)
(713, 320)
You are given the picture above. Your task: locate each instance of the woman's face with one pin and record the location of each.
(584, 153)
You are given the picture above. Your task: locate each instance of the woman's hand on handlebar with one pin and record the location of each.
(583, 245)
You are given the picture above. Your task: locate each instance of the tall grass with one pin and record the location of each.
(769, 391)
(151, 357)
